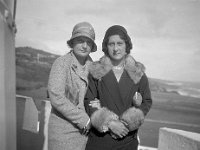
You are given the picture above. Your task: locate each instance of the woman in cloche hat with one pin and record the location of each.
(68, 122)
(114, 80)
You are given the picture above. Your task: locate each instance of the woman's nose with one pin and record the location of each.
(84, 44)
(116, 48)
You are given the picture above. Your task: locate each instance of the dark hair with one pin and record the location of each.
(117, 30)
(70, 43)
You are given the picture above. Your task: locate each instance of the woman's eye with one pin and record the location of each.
(89, 43)
(110, 44)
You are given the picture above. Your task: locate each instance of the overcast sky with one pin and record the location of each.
(165, 33)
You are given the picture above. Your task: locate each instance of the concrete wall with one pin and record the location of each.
(173, 139)
(30, 134)
(32, 124)
(7, 77)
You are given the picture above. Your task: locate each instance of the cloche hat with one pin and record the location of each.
(83, 29)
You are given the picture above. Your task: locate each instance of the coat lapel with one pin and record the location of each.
(81, 74)
(78, 70)
(112, 86)
(126, 85)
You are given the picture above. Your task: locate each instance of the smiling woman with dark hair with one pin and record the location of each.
(110, 99)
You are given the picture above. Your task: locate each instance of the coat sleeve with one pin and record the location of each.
(59, 101)
(144, 90)
(99, 117)
(134, 116)
(91, 94)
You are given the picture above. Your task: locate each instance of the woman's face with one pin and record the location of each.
(82, 46)
(116, 48)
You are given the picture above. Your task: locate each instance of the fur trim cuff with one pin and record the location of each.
(101, 117)
(134, 117)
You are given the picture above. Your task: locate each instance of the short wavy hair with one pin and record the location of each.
(116, 30)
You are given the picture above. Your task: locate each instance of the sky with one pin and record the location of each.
(165, 33)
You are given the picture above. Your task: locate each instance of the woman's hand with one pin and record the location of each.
(87, 127)
(95, 103)
(118, 129)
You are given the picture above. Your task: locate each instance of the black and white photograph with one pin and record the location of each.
(100, 74)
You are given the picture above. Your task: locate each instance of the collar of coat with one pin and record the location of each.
(75, 64)
(100, 68)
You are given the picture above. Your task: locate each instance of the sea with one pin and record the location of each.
(190, 89)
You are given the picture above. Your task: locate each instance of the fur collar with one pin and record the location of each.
(100, 68)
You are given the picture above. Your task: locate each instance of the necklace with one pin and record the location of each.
(118, 67)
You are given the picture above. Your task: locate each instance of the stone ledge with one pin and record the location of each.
(146, 148)
(174, 139)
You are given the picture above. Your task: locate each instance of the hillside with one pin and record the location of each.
(33, 67)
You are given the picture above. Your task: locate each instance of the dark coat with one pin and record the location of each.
(117, 101)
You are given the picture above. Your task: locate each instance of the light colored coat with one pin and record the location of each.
(67, 86)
